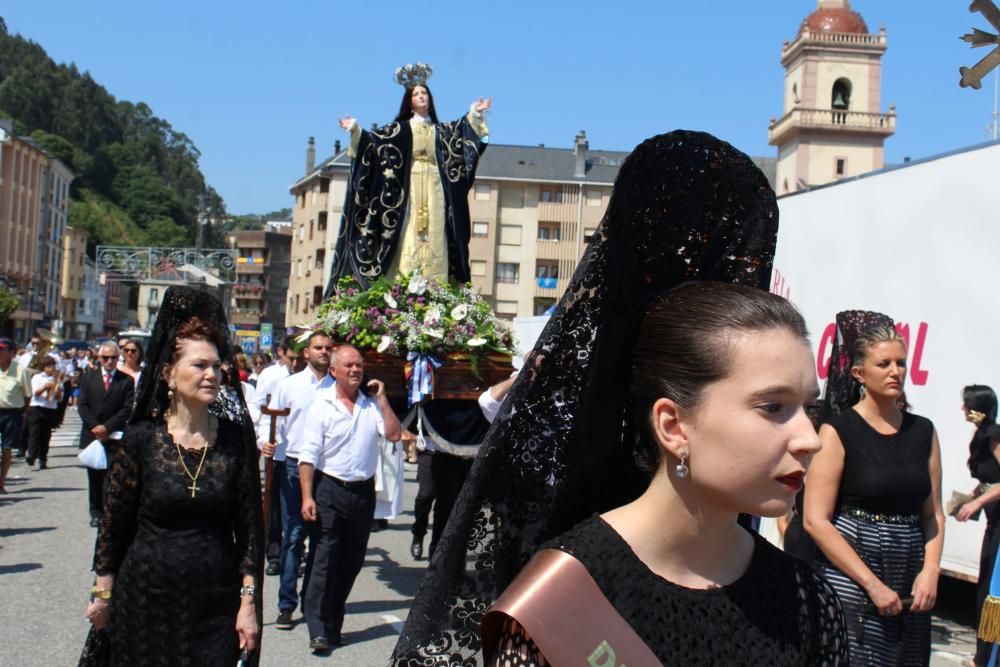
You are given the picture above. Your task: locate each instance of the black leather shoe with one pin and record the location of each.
(319, 644)
(94, 522)
(30, 461)
(272, 568)
(42, 465)
(284, 621)
(417, 548)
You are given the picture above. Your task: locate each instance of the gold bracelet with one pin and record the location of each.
(101, 593)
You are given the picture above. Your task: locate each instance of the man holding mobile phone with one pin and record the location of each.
(337, 470)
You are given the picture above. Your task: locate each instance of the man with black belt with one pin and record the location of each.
(337, 463)
(296, 393)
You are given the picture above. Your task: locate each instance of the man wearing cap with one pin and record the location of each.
(15, 390)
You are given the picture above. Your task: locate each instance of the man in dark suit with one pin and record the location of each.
(104, 405)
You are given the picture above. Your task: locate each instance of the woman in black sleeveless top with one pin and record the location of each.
(873, 505)
(979, 403)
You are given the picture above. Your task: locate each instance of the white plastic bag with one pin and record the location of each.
(94, 456)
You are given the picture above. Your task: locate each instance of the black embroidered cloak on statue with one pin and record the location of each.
(375, 208)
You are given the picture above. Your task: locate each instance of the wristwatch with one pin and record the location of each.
(101, 593)
(248, 590)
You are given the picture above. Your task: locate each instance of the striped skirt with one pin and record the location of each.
(894, 551)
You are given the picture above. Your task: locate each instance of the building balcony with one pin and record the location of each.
(833, 40)
(830, 120)
(246, 316)
(549, 249)
(564, 211)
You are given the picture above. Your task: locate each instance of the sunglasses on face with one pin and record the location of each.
(107, 357)
(130, 350)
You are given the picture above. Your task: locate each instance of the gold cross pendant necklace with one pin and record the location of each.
(194, 488)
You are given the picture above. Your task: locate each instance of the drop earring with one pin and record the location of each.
(682, 470)
(170, 394)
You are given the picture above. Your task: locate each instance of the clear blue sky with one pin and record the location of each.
(250, 81)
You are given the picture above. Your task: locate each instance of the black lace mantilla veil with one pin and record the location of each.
(179, 304)
(842, 390)
(686, 206)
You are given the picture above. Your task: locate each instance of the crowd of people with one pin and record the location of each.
(670, 400)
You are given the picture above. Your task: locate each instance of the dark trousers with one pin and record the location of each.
(97, 482)
(449, 473)
(343, 523)
(11, 425)
(425, 494)
(42, 421)
(272, 549)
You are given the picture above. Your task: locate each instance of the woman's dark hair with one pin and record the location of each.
(684, 344)
(195, 329)
(141, 353)
(983, 399)
(406, 106)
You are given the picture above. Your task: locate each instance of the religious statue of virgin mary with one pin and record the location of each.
(407, 207)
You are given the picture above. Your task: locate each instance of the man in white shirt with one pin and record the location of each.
(295, 392)
(337, 468)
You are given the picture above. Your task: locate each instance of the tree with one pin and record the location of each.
(9, 302)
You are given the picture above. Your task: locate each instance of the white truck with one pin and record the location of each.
(919, 242)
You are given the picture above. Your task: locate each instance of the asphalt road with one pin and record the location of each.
(46, 546)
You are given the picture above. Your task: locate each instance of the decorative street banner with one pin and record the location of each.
(189, 265)
(916, 242)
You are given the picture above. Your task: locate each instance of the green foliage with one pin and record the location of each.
(103, 220)
(9, 302)
(140, 175)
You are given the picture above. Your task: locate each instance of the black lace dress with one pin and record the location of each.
(178, 560)
(778, 613)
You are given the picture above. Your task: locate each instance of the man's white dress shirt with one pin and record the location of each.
(296, 392)
(341, 444)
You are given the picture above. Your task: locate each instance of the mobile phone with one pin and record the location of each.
(365, 379)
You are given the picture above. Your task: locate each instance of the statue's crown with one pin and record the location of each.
(415, 74)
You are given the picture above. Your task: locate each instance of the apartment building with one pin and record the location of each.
(319, 203)
(92, 305)
(532, 208)
(262, 282)
(74, 276)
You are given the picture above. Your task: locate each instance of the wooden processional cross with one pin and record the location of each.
(974, 76)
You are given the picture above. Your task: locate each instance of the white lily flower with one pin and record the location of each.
(459, 312)
(389, 301)
(384, 343)
(418, 284)
(432, 316)
(476, 342)
(434, 333)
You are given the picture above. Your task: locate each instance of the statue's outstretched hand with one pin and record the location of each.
(482, 104)
(346, 123)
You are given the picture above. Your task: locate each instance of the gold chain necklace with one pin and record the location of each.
(194, 478)
(194, 488)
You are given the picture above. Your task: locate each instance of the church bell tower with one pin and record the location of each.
(831, 126)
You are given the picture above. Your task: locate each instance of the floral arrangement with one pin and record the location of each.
(412, 314)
